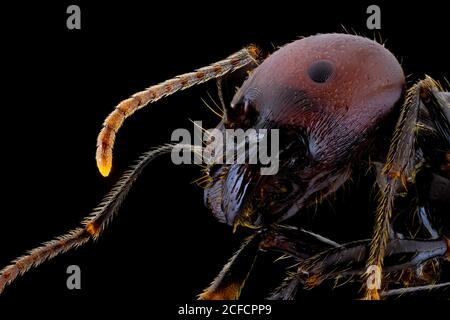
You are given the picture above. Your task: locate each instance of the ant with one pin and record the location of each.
(332, 97)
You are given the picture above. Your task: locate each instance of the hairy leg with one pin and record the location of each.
(111, 125)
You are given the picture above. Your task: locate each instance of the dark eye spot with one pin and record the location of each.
(320, 71)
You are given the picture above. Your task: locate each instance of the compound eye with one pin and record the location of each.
(321, 71)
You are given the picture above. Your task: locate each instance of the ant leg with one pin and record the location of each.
(381, 181)
(420, 289)
(299, 244)
(347, 261)
(425, 222)
(400, 164)
(434, 141)
(437, 103)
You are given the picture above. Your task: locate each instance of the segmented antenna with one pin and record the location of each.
(105, 140)
(92, 225)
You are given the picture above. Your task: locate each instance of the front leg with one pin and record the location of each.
(228, 284)
(395, 171)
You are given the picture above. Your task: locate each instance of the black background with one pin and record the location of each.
(58, 85)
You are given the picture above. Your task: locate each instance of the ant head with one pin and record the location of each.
(326, 94)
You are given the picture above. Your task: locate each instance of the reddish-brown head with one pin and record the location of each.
(326, 94)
